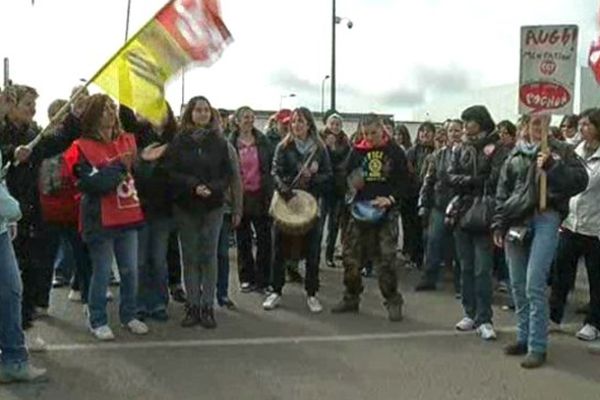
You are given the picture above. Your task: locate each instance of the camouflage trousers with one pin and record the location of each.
(377, 242)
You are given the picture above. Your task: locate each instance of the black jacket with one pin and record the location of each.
(384, 170)
(338, 158)
(416, 157)
(273, 138)
(436, 191)
(475, 166)
(151, 178)
(265, 159)
(288, 161)
(199, 158)
(517, 194)
(22, 180)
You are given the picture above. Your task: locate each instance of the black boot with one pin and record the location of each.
(516, 349)
(207, 317)
(191, 316)
(533, 360)
(346, 305)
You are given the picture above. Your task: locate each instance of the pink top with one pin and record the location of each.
(250, 166)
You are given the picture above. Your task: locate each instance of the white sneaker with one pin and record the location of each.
(314, 305)
(272, 301)
(486, 331)
(74, 296)
(109, 295)
(137, 327)
(588, 333)
(103, 333)
(35, 344)
(465, 324)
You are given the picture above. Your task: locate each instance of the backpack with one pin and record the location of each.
(52, 180)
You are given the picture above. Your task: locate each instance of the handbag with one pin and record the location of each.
(478, 218)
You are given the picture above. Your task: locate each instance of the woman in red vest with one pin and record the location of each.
(110, 211)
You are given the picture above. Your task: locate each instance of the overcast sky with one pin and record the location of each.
(399, 53)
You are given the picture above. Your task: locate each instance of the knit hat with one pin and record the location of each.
(481, 115)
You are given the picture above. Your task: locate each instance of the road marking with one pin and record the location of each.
(261, 341)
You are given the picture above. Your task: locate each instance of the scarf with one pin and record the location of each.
(304, 146)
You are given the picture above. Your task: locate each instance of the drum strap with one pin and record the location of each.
(305, 165)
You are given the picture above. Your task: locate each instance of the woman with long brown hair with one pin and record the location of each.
(289, 163)
(200, 172)
(101, 161)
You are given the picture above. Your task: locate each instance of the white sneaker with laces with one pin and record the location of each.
(103, 333)
(588, 333)
(35, 344)
(74, 296)
(465, 324)
(314, 305)
(137, 327)
(109, 295)
(486, 331)
(272, 301)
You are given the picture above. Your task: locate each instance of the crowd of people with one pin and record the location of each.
(104, 187)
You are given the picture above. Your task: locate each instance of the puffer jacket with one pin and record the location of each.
(584, 208)
(436, 191)
(517, 195)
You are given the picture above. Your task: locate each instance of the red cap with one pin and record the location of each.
(284, 116)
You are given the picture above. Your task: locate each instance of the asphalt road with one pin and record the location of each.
(290, 354)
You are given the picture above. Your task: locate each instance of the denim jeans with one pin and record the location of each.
(438, 238)
(153, 280)
(121, 245)
(529, 266)
(199, 237)
(74, 252)
(12, 339)
(475, 253)
(223, 259)
(64, 263)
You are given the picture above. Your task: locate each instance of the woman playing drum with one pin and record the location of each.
(300, 162)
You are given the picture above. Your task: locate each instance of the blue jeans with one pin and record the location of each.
(529, 266)
(199, 238)
(153, 276)
(475, 253)
(439, 235)
(122, 245)
(12, 340)
(223, 259)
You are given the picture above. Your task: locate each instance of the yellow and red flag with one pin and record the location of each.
(182, 33)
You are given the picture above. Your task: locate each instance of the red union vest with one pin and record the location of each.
(122, 206)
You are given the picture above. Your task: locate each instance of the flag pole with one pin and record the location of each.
(77, 94)
(127, 20)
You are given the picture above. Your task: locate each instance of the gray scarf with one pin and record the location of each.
(304, 146)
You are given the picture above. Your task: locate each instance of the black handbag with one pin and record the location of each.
(478, 217)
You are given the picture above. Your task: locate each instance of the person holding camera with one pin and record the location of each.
(530, 234)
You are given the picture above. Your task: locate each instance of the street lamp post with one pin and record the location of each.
(323, 93)
(334, 21)
(283, 96)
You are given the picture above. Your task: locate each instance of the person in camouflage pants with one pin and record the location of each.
(378, 175)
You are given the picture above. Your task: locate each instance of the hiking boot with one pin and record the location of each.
(515, 349)
(23, 372)
(533, 360)
(192, 316)
(345, 306)
(394, 311)
(207, 318)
